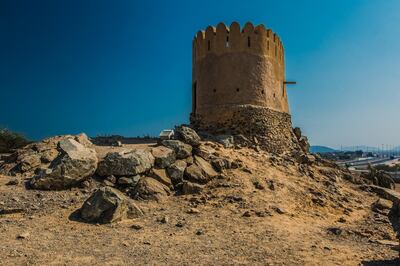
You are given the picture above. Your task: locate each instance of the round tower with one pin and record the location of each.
(239, 84)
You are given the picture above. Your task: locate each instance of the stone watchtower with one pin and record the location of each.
(239, 85)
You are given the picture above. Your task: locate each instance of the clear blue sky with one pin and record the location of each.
(124, 67)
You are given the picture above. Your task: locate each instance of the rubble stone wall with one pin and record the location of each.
(270, 129)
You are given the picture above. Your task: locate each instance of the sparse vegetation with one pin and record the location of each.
(11, 140)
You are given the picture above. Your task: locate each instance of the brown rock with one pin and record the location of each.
(106, 205)
(161, 176)
(164, 156)
(191, 188)
(150, 189)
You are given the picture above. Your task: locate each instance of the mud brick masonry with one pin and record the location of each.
(239, 85)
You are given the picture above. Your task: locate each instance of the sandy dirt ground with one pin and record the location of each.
(291, 219)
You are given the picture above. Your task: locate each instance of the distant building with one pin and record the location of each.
(166, 134)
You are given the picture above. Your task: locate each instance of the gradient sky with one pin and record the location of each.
(124, 67)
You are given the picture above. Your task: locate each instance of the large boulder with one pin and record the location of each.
(163, 156)
(200, 171)
(126, 163)
(161, 176)
(74, 164)
(205, 166)
(106, 205)
(204, 151)
(187, 135)
(150, 189)
(176, 170)
(181, 149)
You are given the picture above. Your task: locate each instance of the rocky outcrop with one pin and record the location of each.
(74, 164)
(126, 163)
(302, 140)
(106, 205)
(38, 155)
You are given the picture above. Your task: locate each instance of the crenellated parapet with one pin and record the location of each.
(222, 39)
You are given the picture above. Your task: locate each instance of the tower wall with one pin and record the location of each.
(236, 70)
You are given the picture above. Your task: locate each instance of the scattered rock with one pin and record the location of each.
(133, 210)
(74, 164)
(106, 205)
(380, 178)
(137, 226)
(161, 176)
(279, 210)
(187, 135)
(258, 185)
(180, 224)
(271, 185)
(189, 160)
(191, 188)
(307, 159)
(386, 242)
(221, 164)
(204, 151)
(24, 235)
(128, 181)
(205, 167)
(164, 156)
(199, 232)
(193, 211)
(195, 174)
(112, 179)
(126, 163)
(11, 210)
(226, 140)
(12, 182)
(335, 230)
(247, 214)
(164, 220)
(176, 171)
(150, 189)
(108, 183)
(381, 205)
(182, 150)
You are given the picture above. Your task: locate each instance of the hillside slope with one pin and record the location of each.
(270, 211)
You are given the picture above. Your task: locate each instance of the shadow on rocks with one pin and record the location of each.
(76, 216)
(393, 262)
